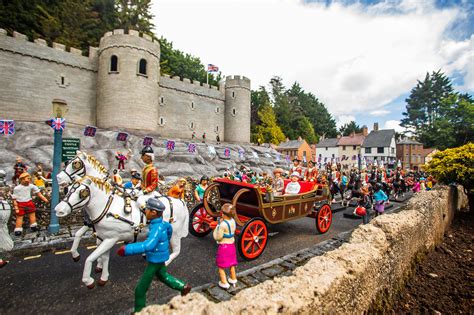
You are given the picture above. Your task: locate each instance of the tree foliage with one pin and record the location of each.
(454, 166)
(266, 130)
(300, 114)
(349, 128)
(81, 23)
(437, 115)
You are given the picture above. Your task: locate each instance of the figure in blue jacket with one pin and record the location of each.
(156, 248)
(379, 199)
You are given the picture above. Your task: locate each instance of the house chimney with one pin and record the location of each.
(365, 131)
(376, 126)
(353, 134)
(338, 136)
(299, 138)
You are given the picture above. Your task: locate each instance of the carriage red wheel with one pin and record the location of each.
(200, 220)
(324, 219)
(252, 239)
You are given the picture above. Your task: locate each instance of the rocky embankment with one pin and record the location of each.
(34, 143)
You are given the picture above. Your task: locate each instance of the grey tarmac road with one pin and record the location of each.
(51, 284)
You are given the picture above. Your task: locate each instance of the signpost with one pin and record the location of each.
(69, 147)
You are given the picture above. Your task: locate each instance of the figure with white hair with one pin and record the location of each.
(149, 172)
(293, 188)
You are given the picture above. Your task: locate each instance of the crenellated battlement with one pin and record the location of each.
(130, 36)
(39, 48)
(189, 86)
(237, 81)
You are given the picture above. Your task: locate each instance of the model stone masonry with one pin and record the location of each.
(118, 86)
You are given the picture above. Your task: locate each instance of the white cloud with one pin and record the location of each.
(393, 124)
(344, 119)
(353, 58)
(379, 112)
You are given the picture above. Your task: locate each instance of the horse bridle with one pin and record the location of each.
(84, 195)
(78, 167)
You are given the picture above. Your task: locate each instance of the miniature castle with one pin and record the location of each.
(118, 86)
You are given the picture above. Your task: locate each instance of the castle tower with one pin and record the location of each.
(237, 109)
(127, 82)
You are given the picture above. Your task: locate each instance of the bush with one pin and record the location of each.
(454, 166)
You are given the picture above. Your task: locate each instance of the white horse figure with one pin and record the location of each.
(112, 223)
(82, 165)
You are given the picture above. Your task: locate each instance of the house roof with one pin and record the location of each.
(428, 151)
(379, 138)
(329, 142)
(408, 141)
(291, 144)
(351, 140)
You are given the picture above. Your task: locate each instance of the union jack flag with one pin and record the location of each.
(147, 141)
(7, 127)
(192, 148)
(227, 152)
(58, 123)
(90, 131)
(122, 136)
(241, 153)
(212, 68)
(170, 145)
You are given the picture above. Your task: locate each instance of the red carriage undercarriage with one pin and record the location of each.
(255, 210)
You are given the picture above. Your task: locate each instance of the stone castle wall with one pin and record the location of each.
(34, 74)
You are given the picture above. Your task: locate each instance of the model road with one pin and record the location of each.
(52, 283)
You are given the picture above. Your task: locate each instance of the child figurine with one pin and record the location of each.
(201, 188)
(278, 183)
(226, 256)
(23, 204)
(6, 243)
(156, 247)
(177, 191)
(293, 188)
(379, 198)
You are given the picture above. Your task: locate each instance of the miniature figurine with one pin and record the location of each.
(134, 183)
(156, 247)
(226, 257)
(177, 191)
(18, 168)
(149, 173)
(121, 158)
(201, 188)
(311, 172)
(293, 188)
(379, 198)
(296, 167)
(23, 204)
(3, 175)
(278, 183)
(117, 179)
(6, 243)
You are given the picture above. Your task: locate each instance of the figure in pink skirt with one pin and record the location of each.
(226, 257)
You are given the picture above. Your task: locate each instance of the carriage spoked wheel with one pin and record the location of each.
(252, 239)
(200, 220)
(324, 219)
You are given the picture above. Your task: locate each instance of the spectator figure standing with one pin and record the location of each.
(19, 168)
(6, 243)
(201, 188)
(218, 139)
(23, 204)
(204, 138)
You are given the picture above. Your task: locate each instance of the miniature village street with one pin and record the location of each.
(55, 277)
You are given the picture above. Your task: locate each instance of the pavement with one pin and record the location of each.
(49, 281)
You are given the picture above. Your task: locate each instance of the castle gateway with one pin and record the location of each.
(118, 86)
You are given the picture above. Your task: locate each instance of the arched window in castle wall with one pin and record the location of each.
(113, 63)
(142, 67)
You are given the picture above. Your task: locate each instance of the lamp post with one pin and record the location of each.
(59, 111)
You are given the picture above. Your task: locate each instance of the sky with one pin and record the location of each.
(361, 58)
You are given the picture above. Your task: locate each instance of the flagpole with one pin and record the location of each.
(207, 76)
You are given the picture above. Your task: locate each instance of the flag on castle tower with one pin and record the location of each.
(7, 127)
(212, 68)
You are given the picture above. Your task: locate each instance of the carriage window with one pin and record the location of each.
(142, 67)
(113, 63)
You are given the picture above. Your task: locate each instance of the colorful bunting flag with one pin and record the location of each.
(90, 131)
(255, 154)
(147, 141)
(122, 136)
(7, 127)
(192, 148)
(170, 145)
(211, 150)
(241, 153)
(58, 123)
(227, 152)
